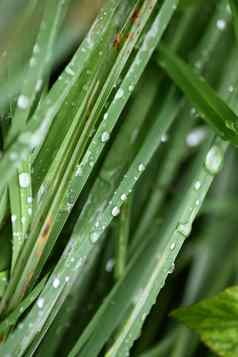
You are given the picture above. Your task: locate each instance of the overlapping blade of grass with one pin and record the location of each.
(163, 348)
(234, 9)
(3, 282)
(109, 121)
(41, 58)
(177, 147)
(129, 36)
(14, 57)
(115, 163)
(3, 205)
(68, 76)
(111, 82)
(54, 181)
(122, 236)
(85, 245)
(152, 263)
(119, 65)
(20, 190)
(52, 342)
(34, 249)
(36, 130)
(201, 94)
(203, 279)
(12, 318)
(178, 228)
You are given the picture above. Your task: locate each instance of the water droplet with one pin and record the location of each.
(39, 85)
(172, 246)
(119, 94)
(193, 112)
(214, 160)
(13, 218)
(23, 102)
(29, 210)
(69, 71)
(195, 137)
(78, 171)
(171, 269)
(115, 211)
(36, 49)
(32, 62)
(197, 185)
(141, 167)
(221, 24)
(29, 199)
(56, 283)
(109, 265)
(24, 179)
(164, 138)
(94, 237)
(123, 197)
(184, 228)
(105, 137)
(197, 203)
(40, 302)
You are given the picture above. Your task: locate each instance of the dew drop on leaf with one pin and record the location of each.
(213, 161)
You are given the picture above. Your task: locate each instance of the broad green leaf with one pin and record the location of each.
(213, 109)
(215, 320)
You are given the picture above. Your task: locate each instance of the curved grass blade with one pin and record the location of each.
(213, 109)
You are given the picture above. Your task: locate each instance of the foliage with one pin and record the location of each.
(115, 121)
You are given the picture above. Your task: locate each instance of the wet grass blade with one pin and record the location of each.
(213, 109)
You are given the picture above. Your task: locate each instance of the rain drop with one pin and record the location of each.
(115, 211)
(40, 302)
(184, 228)
(105, 137)
(23, 102)
(56, 283)
(213, 161)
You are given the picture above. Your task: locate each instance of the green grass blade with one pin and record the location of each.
(214, 110)
(234, 9)
(36, 130)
